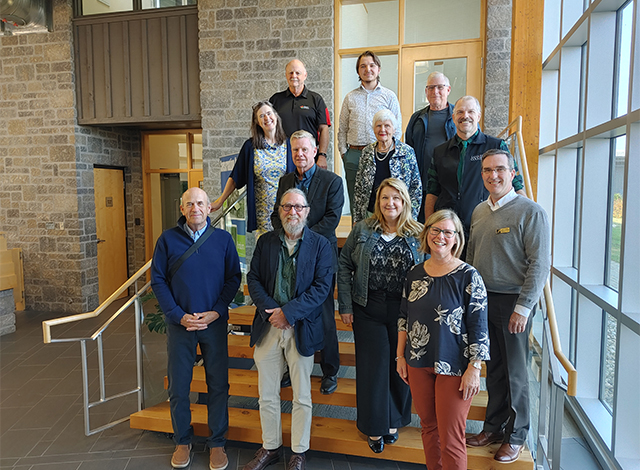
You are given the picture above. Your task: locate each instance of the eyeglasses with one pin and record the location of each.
(499, 169)
(435, 231)
(439, 87)
(297, 207)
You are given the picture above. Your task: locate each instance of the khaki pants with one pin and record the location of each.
(270, 354)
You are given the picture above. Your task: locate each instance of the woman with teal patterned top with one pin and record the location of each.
(262, 161)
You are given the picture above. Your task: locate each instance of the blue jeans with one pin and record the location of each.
(181, 352)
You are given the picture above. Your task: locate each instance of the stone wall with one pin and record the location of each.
(497, 66)
(46, 195)
(244, 48)
(114, 147)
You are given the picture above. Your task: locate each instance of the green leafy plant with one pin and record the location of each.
(154, 320)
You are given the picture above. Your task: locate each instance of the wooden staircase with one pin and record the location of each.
(327, 434)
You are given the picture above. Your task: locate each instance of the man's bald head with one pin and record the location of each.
(195, 207)
(296, 74)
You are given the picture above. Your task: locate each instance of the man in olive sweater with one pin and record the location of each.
(509, 245)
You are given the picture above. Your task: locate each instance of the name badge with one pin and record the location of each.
(503, 230)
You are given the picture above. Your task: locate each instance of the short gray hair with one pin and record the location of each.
(385, 115)
(301, 134)
(297, 191)
(470, 98)
(438, 75)
(510, 159)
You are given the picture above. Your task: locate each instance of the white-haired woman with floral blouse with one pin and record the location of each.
(442, 339)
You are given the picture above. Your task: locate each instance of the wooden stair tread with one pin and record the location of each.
(244, 316)
(327, 435)
(238, 346)
(244, 383)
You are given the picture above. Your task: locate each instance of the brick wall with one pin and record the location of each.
(46, 169)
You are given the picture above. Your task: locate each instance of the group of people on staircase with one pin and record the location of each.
(425, 306)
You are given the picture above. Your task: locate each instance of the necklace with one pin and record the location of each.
(381, 159)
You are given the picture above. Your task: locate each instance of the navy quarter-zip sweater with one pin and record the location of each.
(207, 280)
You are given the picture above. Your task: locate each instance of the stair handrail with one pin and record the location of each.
(572, 374)
(135, 300)
(47, 324)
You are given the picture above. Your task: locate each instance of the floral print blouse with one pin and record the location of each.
(445, 319)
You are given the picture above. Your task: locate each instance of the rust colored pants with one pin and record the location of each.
(443, 417)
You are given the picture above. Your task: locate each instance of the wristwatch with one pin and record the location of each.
(477, 365)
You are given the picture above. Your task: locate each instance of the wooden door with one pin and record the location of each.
(461, 62)
(111, 230)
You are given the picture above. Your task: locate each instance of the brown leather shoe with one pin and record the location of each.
(484, 439)
(508, 453)
(297, 462)
(218, 458)
(181, 456)
(263, 459)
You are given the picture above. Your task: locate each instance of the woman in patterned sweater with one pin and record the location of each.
(442, 337)
(372, 268)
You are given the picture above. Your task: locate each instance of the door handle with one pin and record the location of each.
(100, 240)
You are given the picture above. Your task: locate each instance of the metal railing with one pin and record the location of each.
(97, 336)
(552, 386)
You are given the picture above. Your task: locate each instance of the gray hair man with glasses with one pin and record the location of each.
(289, 281)
(431, 126)
(510, 246)
(325, 194)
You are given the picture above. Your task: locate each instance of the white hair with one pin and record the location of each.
(385, 115)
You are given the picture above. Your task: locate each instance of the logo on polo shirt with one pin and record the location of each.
(302, 106)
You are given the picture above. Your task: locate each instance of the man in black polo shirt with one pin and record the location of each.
(302, 109)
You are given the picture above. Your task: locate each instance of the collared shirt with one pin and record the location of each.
(510, 196)
(307, 111)
(285, 288)
(304, 183)
(194, 235)
(356, 115)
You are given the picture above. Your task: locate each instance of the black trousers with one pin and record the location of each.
(181, 349)
(507, 372)
(383, 399)
(330, 355)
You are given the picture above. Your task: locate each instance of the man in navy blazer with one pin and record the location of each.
(325, 194)
(289, 280)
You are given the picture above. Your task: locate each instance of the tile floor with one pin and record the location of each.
(41, 419)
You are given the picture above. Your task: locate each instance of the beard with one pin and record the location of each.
(293, 224)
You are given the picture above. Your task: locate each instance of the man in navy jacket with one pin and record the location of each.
(289, 280)
(195, 301)
(325, 194)
(430, 127)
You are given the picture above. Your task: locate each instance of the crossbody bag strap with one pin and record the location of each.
(175, 266)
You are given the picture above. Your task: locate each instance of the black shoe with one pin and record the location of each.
(286, 380)
(329, 384)
(390, 438)
(376, 446)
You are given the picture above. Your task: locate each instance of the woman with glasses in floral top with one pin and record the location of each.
(442, 339)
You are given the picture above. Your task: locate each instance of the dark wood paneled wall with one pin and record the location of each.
(138, 68)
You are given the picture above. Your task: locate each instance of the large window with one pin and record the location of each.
(96, 7)
(590, 150)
